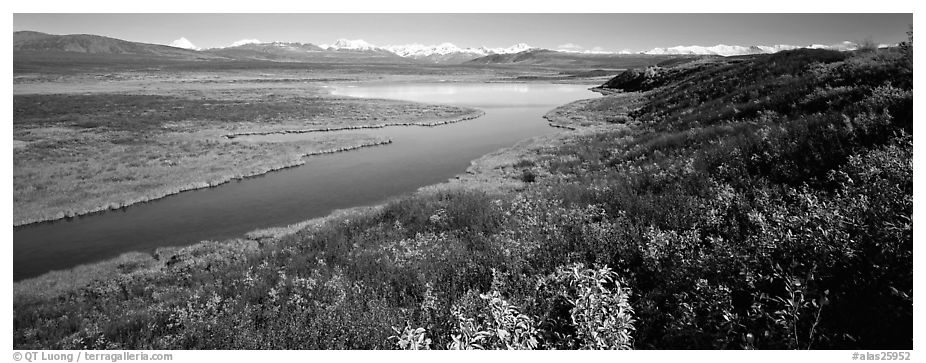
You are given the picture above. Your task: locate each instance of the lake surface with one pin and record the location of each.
(418, 156)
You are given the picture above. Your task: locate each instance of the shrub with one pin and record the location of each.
(497, 325)
(598, 308)
(411, 339)
(528, 176)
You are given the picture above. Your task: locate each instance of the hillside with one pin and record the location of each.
(307, 53)
(449, 58)
(267, 51)
(35, 42)
(759, 202)
(550, 58)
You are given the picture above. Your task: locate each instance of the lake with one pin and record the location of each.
(418, 156)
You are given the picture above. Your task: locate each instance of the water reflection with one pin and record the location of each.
(472, 94)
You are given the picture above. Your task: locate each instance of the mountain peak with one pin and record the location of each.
(183, 43)
(421, 50)
(517, 48)
(348, 44)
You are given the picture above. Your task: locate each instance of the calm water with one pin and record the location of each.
(417, 157)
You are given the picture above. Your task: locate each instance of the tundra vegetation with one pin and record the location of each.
(758, 202)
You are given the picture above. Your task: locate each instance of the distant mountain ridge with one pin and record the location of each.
(735, 50)
(36, 46)
(278, 51)
(359, 51)
(342, 50)
(440, 53)
(722, 50)
(450, 53)
(552, 58)
(447, 51)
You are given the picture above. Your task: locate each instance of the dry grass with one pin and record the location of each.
(613, 108)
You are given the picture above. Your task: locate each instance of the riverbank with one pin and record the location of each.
(171, 187)
(81, 154)
(474, 114)
(613, 109)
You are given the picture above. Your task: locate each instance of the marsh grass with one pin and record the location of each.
(81, 153)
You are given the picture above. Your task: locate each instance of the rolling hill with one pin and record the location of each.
(306, 52)
(36, 42)
(266, 51)
(551, 58)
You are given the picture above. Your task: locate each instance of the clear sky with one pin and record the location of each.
(613, 32)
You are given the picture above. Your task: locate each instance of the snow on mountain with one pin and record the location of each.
(569, 47)
(417, 50)
(440, 51)
(245, 41)
(347, 44)
(448, 52)
(578, 49)
(776, 48)
(844, 46)
(280, 46)
(437, 53)
(594, 50)
(183, 43)
(517, 48)
(720, 49)
(732, 50)
(292, 45)
(421, 50)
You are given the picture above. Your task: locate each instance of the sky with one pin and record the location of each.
(609, 32)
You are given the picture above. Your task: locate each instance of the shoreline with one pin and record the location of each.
(472, 115)
(167, 191)
(112, 206)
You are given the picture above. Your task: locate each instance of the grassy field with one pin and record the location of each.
(128, 142)
(751, 203)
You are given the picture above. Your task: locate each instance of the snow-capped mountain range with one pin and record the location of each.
(732, 50)
(420, 50)
(348, 44)
(448, 52)
(721, 49)
(406, 50)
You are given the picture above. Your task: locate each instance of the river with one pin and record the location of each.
(418, 156)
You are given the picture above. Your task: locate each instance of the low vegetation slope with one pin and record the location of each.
(307, 53)
(552, 58)
(761, 202)
(29, 41)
